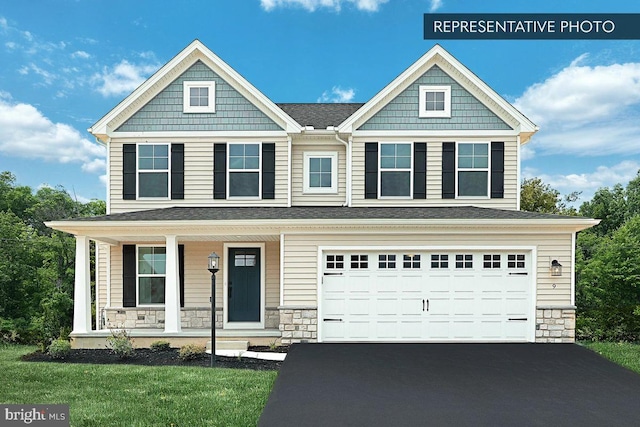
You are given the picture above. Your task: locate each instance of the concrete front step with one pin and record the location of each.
(229, 345)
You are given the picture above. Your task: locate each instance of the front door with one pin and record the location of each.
(243, 287)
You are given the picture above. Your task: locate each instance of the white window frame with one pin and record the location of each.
(188, 108)
(168, 171)
(424, 89)
(259, 170)
(487, 170)
(308, 155)
(138, 304)
(380, 170)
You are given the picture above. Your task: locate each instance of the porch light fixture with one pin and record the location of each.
(556, 268)
(214, 266)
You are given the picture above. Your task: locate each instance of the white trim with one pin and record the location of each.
(186, 98)
(138, 171)
(487, 170)
(97, 283)
(306, 169)
(150, 245)
(423, 90)
(435, 134)
(531, 333)
(289, 170)
(205, 136)
(82, 287)
(350, 171)
(108, 186)
(573, 269)
(172, 316)
(410, 170)
(282, 249)
(225, 279)
(259, 171)
(108, 277)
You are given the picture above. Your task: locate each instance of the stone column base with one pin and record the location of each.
(556, 324)
(298, 324)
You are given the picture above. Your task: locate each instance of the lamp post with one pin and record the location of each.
(214, 266)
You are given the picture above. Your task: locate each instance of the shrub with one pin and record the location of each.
(120, 344)
(160, 345)
(191, 352)
(59, 349)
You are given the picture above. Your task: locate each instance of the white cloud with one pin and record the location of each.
(585, 110)
(122, 78)
(313, 5)
(337, 94)
(4, 25)
(588, 183)
(80, 54)
(26, 132)
(435, 5)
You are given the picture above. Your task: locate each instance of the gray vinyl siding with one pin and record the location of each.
(467, 112)
(165, 111)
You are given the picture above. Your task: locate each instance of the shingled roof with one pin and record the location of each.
(325, 212)
(320, 116)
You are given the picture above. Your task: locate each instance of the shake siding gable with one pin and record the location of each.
(467, 112)
(164, 112)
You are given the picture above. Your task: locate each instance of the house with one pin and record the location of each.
(393, 220)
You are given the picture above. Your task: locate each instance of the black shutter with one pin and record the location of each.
(371, 170)
(129, 171)
(269, 170)
(420, 170)
(219, 171)
(497, 170)
(128, 275)
(181, 272)
(448, 170)
(177, 171)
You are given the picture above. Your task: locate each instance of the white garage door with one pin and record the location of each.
(426, 296)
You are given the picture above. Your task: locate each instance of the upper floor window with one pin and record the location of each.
(320, 172)
(473, 169)
(435, 101)
(395, 170)
(244, 170)
(152, 261)
(153, 170)
(199, 97)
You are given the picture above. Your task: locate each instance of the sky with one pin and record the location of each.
(66, 63)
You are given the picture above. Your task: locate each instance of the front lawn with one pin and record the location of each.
(127, 395)
(622, 353)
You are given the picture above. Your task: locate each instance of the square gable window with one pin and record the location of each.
(199, 97)
(435, 101)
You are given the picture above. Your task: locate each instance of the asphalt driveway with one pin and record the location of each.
(451, 385)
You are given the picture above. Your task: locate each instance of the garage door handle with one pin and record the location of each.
(332, 274)
(332, 320)
(518, 274)
(423, 305)
(519, 319)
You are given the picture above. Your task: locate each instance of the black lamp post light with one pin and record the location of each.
(214, 266)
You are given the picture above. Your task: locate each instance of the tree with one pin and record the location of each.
(536, 196)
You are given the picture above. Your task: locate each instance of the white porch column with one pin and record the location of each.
(172, 288)
(82, 288)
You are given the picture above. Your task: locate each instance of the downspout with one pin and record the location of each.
(289, 171)
(519, 178)
(347, 149)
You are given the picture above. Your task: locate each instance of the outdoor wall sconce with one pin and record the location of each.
(556, 268)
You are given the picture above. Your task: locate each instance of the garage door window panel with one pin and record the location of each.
(386, 261)
(516, 261)
(411, 261)
(395, 170)
(439, 261)
(335, 262)
(491, 261)
(359, 261)
(473, 169)
(464, 261)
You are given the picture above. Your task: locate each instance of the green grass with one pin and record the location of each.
(126, 395)
(622, 353)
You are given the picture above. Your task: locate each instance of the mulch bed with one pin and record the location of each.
(148, 357)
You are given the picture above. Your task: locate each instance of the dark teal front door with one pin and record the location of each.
(243, 288)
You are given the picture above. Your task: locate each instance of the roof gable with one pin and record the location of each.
(155, 84)
(438, 56)
(467, 112)
(164, 112)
